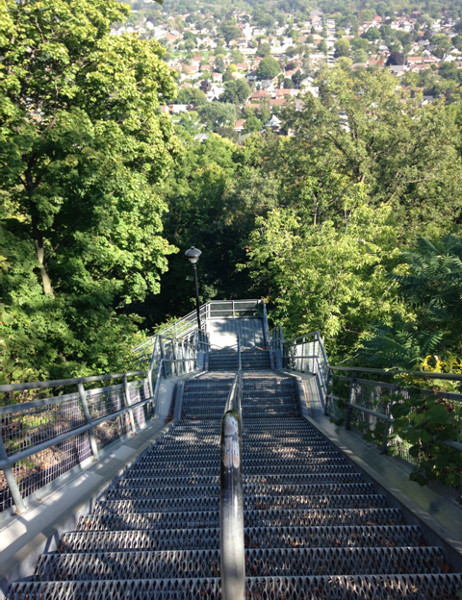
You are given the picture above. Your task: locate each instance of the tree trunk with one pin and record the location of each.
(46, 282)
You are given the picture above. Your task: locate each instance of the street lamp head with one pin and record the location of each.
(193, 255)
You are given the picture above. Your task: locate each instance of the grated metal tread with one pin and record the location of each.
(273, 517)
(341, 587)
(104, 521)
(140, 564)
(255, 537)
(251, 490)
(273, 469)
(279, 479)
(314, 528)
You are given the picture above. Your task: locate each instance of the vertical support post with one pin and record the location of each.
(162, 354)
(11, 480)
(198, 312)
(174, 354)
(86, 414)
(351, 398)
(150, 386)
(384, 447)
(181, 367)
(239, 357)
(265, 325)
(127, 404)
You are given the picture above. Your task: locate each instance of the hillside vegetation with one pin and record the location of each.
(347, 221)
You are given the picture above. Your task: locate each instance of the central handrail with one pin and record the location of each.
(231, 496)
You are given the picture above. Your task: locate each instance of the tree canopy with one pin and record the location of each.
(82, 148)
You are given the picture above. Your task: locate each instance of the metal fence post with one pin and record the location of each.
(11, 480)
(127, 404)
(86, 413)
(162, 354)
(351, 398)
(384, 447)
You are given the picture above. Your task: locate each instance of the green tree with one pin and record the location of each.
(82, 148)
(323, 47)
(236, 91)
(229, 30)
(320, 277)
(268, 68)
(443, 44)
(372, 34)
(217, 114)
(220, 66)
(429, 278)
(372, 133)
(263, 49)
(190, 95)
(342, 48)
(252, 124)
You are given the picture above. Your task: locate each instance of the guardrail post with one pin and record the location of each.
(384, 447)
(11, 481)
(351, 398)
(239, 357)
(174, 354)
(86, 413)
(127, 404)
(149, 378)
(162, 354)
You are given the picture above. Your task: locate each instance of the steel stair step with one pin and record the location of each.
(323, 467)
(332, 536)
(206, 563)
(250, 490)
(255, 537)
(441, 586)
(279, 479)
(323, 501)
(108, 520)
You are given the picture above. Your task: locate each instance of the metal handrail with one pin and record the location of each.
(320, 364)
(231, 496)
(425, 374)
(188, 324)
(36, 385)
(83, 422)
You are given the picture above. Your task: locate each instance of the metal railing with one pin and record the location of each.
(46, 438)
(186, 327)
(306, 354)
(277, 340)
(368, 405)
(365, 404)
(231, 497)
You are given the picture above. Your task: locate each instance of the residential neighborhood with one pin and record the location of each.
(259, 68)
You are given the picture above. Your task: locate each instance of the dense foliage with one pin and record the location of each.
(82, 146)
(327, 222)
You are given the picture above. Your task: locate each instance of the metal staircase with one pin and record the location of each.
(226, 359)
(314, 527)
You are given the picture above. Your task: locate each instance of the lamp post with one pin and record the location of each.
(193, 256)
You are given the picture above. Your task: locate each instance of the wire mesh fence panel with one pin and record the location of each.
(42, 468)
(138, 391)
(143, 414)
(5, 496)
(105, 401)
(31, 424)
(111, 430)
